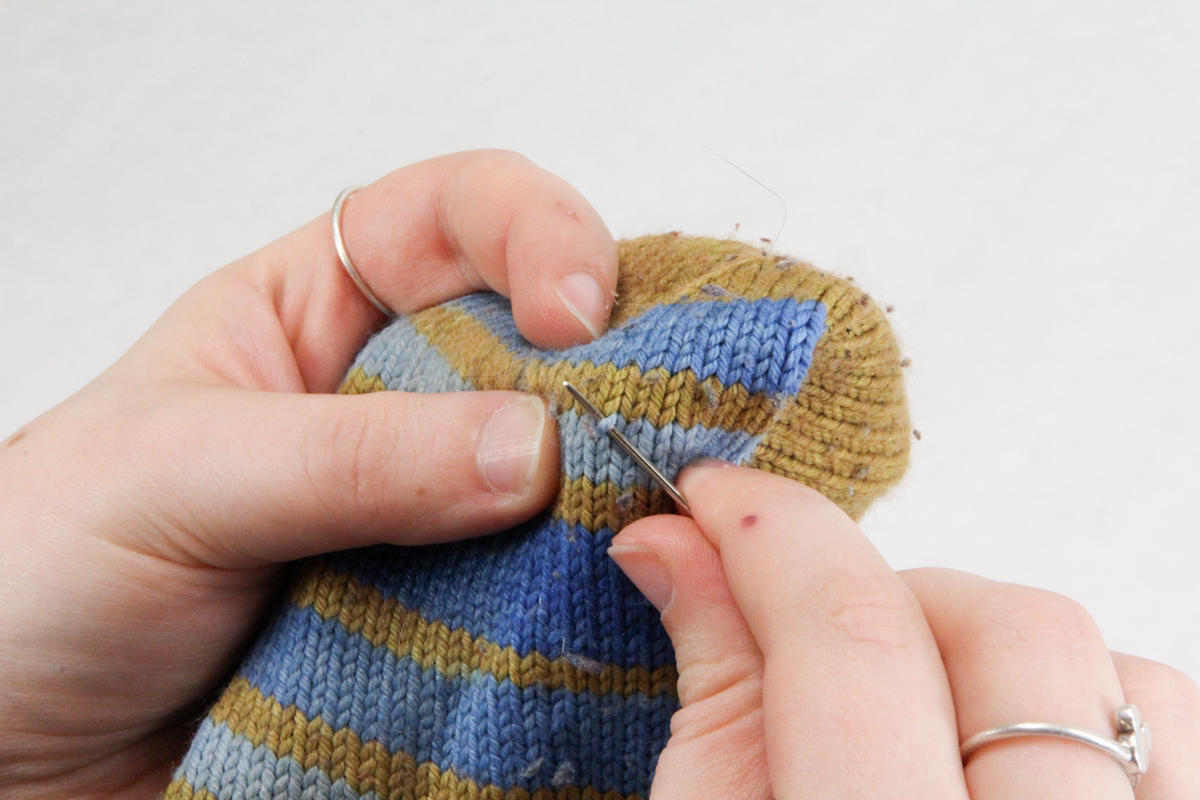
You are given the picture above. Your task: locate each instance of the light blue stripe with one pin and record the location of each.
(230, 766)
(588, 452)
(406, 362)
(256, 773)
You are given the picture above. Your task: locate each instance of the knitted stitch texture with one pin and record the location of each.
(525, 665)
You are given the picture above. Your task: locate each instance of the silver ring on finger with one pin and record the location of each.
(344, 255)
(1131, 747)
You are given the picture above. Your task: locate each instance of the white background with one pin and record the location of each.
(1022, 182)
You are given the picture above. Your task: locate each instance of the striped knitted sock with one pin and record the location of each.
(525, 664)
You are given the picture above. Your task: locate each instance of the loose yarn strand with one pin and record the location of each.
(782, 202)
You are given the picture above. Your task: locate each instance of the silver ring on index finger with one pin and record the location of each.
(339, 242)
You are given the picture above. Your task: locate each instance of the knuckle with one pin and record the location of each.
(702, 678)
(714, 696)
(355, 459)
(868, 609)
(1183, 694)
(1036, 619)
(1169, 690)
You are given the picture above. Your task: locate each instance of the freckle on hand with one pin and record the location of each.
(749, 520)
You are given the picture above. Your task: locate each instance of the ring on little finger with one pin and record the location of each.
(1131, 747)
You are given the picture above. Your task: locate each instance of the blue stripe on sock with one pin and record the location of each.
(230, 766)
(520, 589)
(491, 731)
(406, 362)
(588, 452)
(765, 345)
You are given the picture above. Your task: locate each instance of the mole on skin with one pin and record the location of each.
(749, 520)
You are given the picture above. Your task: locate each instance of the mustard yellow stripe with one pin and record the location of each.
(180, 789)
(847, 435)
(340, 754)
(359, 382)
(657, 270)
(470, 349)
(592, 506)
(384, 622)
(656, 396)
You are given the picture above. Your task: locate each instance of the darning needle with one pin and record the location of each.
(630, 448)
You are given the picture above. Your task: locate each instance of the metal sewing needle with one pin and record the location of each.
(630, 448)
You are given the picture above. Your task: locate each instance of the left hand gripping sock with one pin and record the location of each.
(525, 665)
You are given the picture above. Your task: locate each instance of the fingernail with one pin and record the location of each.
(647, 572)
(584, 298)
(711, 463)
(511, 446)
(688, 473)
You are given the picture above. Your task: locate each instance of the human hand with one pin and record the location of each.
(145, 518)
(808, 668)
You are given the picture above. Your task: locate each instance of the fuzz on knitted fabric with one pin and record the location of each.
(525, 665)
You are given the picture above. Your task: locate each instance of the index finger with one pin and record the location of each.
(855, 700)
(440, 229)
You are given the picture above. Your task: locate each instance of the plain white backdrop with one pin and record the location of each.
(1020, 180)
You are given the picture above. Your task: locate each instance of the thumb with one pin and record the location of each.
(716, 747)
(271, 477)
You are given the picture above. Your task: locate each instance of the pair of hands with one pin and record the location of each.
(145, 521)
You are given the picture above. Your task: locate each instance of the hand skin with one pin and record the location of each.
(809, 669)
(146, 518)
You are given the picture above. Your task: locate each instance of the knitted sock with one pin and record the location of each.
(525, 664)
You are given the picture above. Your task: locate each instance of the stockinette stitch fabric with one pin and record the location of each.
(525, 665)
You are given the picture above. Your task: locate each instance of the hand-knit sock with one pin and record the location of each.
(525, 664)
